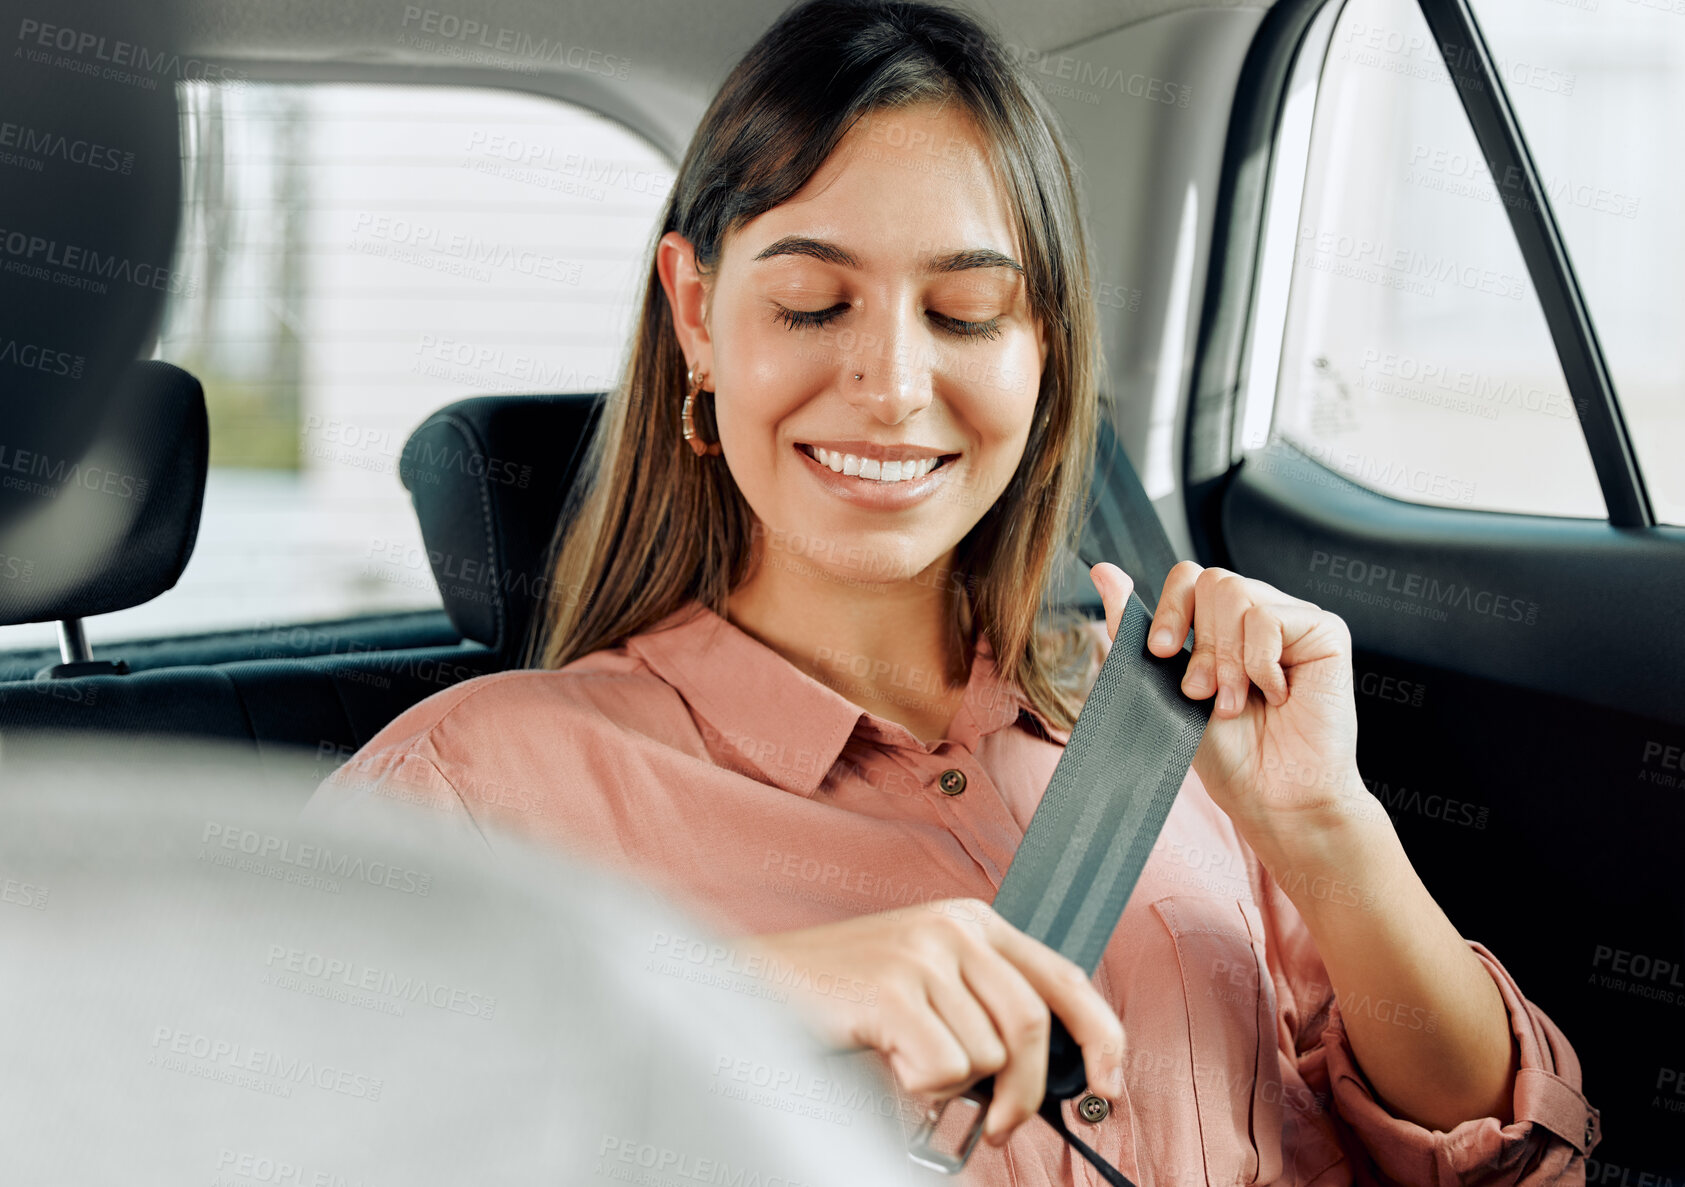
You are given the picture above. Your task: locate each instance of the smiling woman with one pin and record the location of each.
(837, 361)
(805, 679)
(862, 255)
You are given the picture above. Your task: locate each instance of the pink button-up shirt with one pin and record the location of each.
(702, 761)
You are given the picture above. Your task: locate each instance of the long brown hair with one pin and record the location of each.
(649, 525)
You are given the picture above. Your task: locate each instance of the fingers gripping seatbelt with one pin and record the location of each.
(1104, 806)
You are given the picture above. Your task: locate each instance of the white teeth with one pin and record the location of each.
(847, 463)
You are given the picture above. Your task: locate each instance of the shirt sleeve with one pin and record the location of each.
(1554, 1126)
(398, 785)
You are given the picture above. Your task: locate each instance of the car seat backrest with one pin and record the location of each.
(489, 478)
(115, 527)
(88, 217)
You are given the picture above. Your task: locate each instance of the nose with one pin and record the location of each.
(895, 363)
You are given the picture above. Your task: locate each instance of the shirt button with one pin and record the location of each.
(1094, 1109)
(952, 782)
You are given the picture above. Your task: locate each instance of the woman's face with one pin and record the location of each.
(897, 262)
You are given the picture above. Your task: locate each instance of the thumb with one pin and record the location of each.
(1115, 587)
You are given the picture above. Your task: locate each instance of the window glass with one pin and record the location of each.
(1599, 89)
(361, 256)
(1415, 357)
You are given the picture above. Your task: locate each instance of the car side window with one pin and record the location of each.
(355, 257)
(1415, 358)
(1598, 87)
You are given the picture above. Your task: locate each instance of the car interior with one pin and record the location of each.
(1381, 288)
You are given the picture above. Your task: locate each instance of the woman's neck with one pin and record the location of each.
(890, 648)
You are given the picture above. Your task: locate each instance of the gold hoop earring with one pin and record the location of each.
(698, 446)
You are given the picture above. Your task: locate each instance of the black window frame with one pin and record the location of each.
(1226, 318)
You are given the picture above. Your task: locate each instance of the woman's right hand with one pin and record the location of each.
(951, 993)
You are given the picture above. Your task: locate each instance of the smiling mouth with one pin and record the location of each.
(873, 470)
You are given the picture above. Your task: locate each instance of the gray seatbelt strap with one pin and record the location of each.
(1091, 835)
(1123, 525)
(1102, 811)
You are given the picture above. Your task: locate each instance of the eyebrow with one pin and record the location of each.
(830, 253)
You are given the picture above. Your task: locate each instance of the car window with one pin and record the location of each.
(1415, 358)
(360, 256)
(1608, 144)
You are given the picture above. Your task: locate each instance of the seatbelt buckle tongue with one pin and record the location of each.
(923, 1150)
(1065, 1079)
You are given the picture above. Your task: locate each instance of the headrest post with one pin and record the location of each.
(73, 641)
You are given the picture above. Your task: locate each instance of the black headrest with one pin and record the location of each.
(88, 213)
(115, 526)
(488, 477)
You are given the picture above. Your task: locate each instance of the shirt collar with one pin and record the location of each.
(788, 726)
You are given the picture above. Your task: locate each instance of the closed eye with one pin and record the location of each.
(799, 319)
(969, 329)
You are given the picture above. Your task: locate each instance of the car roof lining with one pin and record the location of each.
(682, 57)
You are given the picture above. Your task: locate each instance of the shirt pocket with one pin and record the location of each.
(1231, 1012)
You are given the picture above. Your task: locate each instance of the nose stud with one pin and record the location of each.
(857, 375)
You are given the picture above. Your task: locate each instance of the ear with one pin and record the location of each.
(687, 298)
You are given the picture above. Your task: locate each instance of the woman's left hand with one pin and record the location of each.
(1280, 752)
(1280, 757)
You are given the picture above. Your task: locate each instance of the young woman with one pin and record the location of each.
(799, 673)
